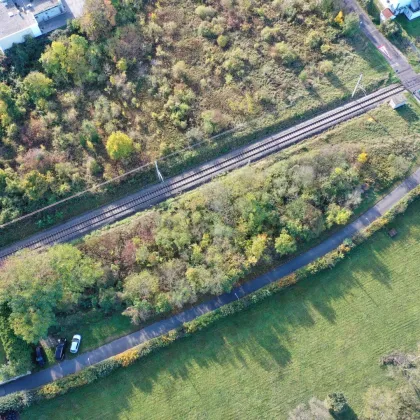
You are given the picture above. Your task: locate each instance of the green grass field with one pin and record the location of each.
(325, 334)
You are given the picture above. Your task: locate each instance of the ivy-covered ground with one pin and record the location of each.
(323, 335)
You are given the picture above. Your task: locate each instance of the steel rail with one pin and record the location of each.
(207, 171)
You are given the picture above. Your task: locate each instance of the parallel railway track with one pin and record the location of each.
(190, 179)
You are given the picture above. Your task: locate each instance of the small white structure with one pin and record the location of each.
(410, 8)
(20, 18)
(397, 100)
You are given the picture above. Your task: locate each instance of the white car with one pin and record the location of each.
(75, 343)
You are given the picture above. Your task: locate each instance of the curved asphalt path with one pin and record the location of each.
(162, 327)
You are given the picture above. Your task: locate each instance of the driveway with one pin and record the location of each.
(162, 327)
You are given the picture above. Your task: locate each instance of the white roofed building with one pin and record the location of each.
(410, 8)
(20, 18)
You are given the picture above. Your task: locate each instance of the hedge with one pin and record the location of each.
(21, 400)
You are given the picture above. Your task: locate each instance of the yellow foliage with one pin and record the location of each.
(127, 358)
(49, 391)
(288, 280)
(339, 18)
(362, 158)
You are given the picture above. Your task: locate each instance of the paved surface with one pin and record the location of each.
(409, 78)
(115, 347)
(144, 198)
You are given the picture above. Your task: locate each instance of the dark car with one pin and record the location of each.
(60, 349)
(39, 357)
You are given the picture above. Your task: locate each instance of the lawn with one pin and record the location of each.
(411, 26)
(325, 334)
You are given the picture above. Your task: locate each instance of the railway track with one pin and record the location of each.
(152, 195)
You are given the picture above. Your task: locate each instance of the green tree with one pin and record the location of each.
(37, 86)
(337, 215)
(285, 243)
(337, 404)
(119, 146)
(68, 57)
(35, 286)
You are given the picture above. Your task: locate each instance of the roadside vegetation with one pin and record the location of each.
(327, 333)
(130, 82)
(205, 242)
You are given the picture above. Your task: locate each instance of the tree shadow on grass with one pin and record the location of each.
(337, 83)
(263, 334)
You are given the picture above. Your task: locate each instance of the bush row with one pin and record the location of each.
(21, 400)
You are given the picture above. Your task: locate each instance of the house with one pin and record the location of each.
(397, 100)
(410, 8)
(21, 18)
(387, 14)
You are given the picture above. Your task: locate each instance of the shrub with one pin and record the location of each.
(351, 25)
(127, 358)
(313, 39)
(325, 67)
(283, 52)
(205, 12)
(16, 401)
(222, 41)
(269, 34)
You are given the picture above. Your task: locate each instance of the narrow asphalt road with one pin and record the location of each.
(396, 59)
(124, 343)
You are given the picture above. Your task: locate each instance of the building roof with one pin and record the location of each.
(13, 20)
(399, 98)
(37, 6)
(19, 14)
(387, 14)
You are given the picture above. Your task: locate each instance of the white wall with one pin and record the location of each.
(49, 14)
(19, 37)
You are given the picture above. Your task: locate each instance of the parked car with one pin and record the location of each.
(39, 356)
(75, 343)
(60, 350)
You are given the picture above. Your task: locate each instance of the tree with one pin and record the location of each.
(337, 404)
(98, 18)
(35, 286)
(119, 146)
(337, 215)
(38, 86)
(68, 57)
(255, 249)
(285, 243)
